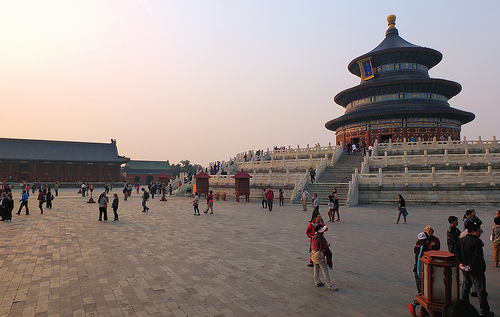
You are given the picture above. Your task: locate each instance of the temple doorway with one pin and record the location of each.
(149, 179)
(137, 180)
(385, 138)
(355, 141)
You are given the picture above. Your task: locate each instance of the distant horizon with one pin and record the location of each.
(205, 80)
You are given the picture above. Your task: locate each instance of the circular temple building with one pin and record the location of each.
(396, 98)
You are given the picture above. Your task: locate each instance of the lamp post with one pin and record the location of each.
(440, 281)
(91, 200)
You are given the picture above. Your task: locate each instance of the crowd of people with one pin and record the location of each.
(468, 249)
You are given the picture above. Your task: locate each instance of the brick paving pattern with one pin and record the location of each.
(240, 261)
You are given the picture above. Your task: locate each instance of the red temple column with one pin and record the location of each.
(100, 174)
(80, 172)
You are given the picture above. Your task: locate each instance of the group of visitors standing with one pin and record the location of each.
(468, 248)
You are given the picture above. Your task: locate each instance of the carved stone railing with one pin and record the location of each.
(489, 177)
(479, 144)
(436, 159)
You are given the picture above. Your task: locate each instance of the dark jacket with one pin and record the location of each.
(452, 236)
(115, 203)
(470, 253)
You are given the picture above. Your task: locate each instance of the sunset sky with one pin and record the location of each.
(204, 80)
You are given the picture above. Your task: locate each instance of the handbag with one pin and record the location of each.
(318, 256)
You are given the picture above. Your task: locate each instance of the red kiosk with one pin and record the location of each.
(242, 185)
(202, 184)
(163, 179)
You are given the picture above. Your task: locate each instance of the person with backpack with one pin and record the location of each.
(145, 197)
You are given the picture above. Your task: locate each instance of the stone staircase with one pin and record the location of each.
(337, 176)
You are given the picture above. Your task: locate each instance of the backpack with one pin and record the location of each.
(146, 195)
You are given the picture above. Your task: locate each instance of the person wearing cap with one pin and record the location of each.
(7, 206)
(471, 257)
(321, 255)
(421, 246)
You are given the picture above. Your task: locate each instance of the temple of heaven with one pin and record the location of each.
(396, 98)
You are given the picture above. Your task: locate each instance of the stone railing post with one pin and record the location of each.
(405, 157)
(270, 177)
(407, 176)
(433, 176)
(386, 159)
(375, 148)
(487, 157)
(466, 157)
(380, 177)
(426, 158)
(461, 175)
(446, 157)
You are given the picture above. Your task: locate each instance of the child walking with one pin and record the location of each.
(195, 203)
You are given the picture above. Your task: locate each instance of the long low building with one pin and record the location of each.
(63, 161)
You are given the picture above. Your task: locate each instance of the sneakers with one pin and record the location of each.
(333, 288)
(310, 264)
(411, 308)
(320, 284)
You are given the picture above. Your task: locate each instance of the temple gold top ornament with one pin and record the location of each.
(391, 20)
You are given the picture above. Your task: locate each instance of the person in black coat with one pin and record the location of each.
(7, 207)
(470, 254)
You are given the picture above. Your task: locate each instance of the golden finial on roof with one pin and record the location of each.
(391, 20)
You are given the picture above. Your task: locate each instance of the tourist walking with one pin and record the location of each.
(210, 203)
(264, 201)
(145, 197)
(84, 188)
(49, 199)
(401, 208)
(56, 189)
(125, 192)
(41, 200)
(471, 257)
(321, 255)
(336, 206)
(282, 197)
(315, 203)
(421, 246)
(495, 238)
(114, 205)
(330, 209)
(453, 234)
(270, 198)
(103, 206)
(304, 197)
(24, 203)
(312, 174)
(195, 203)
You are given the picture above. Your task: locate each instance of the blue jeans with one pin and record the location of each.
(479, 282)
(144, 207)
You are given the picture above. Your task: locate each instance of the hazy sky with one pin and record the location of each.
(204, 80)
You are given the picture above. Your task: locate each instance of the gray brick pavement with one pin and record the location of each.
(240, 261)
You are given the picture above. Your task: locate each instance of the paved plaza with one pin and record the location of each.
(240, 261)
